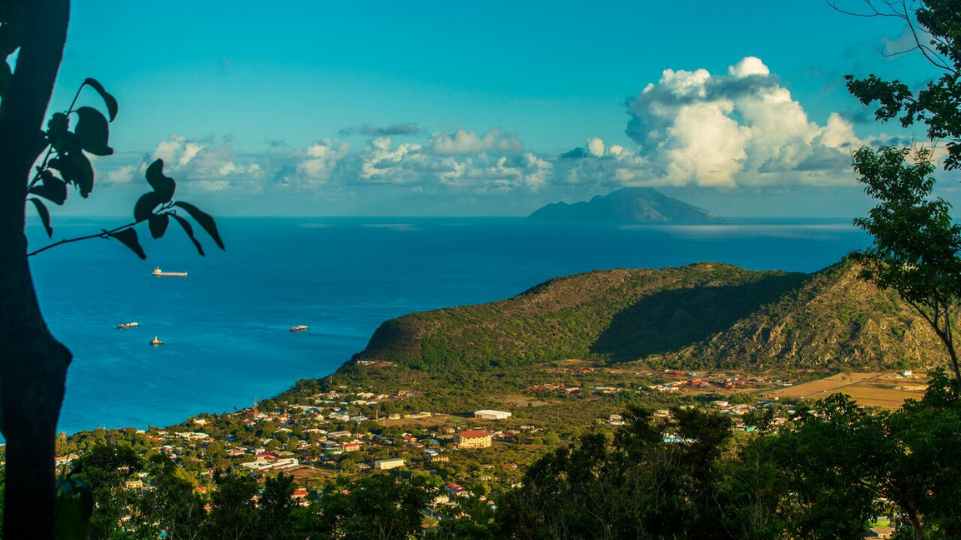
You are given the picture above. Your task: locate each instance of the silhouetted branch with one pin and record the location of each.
(899, 9)
(102, 234)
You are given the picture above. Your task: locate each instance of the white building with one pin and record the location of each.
(271, 465)
(387, 464)
(491, 415)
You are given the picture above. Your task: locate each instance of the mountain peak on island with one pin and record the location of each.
(639, 205)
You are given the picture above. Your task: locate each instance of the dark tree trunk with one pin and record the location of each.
(33, 365)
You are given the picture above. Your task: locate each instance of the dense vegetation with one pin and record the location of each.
(831, 472)
(695, 316)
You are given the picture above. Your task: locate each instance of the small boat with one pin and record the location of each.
(124, 326)
(299, 328)
(157, 272)
(156, 341)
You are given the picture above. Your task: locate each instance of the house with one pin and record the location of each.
(350, 446)
(491, 415)
(473, 438)
(388, 464)
(455, 490)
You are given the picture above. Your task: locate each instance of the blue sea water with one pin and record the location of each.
(225, 326)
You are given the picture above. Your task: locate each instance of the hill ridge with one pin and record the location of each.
(703, 314)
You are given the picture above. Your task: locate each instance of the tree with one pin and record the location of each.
(639, 486)
(33, 365)
(917, 250)
(847, 466)
(106, 468)
(234, 514)
(376, 507)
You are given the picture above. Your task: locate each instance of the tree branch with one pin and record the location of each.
(102, 234)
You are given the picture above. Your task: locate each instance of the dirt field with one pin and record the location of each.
(888, 389)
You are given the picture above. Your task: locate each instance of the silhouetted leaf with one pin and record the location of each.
(107, 98)
(58, 124)
(204, 220)
(93, 131)
(44, 215)
(190, 232)
(52, 188)
(74, 508)
(163, 185)
(75, 168)
(128, 237)
(146, 205)
(158, 225)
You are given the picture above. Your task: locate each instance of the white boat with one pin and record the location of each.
(124, 326)
(157, 272)
(298, 328)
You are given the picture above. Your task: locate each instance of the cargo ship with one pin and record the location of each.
(299, 328)
(157, 272)
(124, 326)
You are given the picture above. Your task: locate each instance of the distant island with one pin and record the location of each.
(638, 205)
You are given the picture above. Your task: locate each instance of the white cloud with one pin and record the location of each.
(177, 151)
(120, 175)
(596, 147)
(319, 160)
(462, 142)
(738, 129)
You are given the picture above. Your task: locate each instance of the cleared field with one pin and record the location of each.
(887, 389)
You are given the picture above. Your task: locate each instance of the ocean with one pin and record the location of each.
(226, 326)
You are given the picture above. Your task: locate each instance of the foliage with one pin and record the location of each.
(917, 248)
(916, 245)
(936, 28)
(66, 163)
(704, 315)
(377, 507)
(637, 486)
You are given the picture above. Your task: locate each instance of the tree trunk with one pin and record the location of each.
(33, 365)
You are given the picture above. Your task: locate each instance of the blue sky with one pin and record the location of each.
(485, 108)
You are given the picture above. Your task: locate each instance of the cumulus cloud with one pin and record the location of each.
(384, 162)
(120, 175)
(177, 151)
(738, 128)
(461, 142)
(319, 160)
(205, 165)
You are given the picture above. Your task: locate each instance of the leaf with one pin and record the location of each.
(108, 99)
(75, 168)
(93, 131)
(146, 205)
(158, 225)
(190, 232)
(160, 183)
(44, 215)
(74, 508)
(58, 124)
(205, 221)
(128, 237)
(53, 189)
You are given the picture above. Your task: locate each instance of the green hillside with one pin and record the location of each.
(705, 314)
